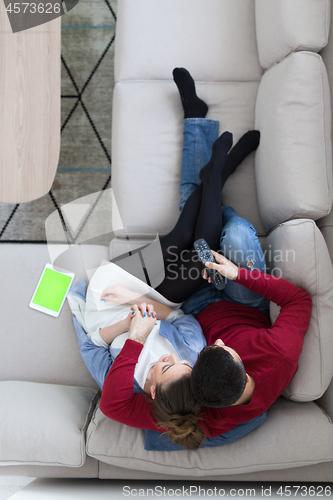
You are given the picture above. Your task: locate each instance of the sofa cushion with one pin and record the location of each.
(44, 424)
(293, 164)
(47, 350)
(147, 145)
(296, 250)
(294, 434)
(215, 40)
(161, 442)
(284, 26)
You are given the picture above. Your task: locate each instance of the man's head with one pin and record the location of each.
(218, 377)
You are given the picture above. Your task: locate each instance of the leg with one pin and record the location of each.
(198, 215)
(239, 243)
(208, 226)
(199, 137)
(193, 106)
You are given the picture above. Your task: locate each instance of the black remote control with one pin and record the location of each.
(205, 254)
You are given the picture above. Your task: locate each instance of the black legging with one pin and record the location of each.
(201, 217)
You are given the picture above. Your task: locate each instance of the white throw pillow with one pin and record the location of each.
(284, 26)
(293, 164)
(296, 251)
(44, 424)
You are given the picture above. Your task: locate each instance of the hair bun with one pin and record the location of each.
(177, 412)
(183, 425)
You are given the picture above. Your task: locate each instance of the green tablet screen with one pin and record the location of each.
(51, 290)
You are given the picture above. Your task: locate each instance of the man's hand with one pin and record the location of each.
(224, 266)
(120, 295)
(144, 320)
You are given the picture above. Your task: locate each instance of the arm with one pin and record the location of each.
(293, 321)
(275, 289)
(118, 401)
(290, 327)
(121, 295)
(187, 334)
(97, 359)
(109, 333)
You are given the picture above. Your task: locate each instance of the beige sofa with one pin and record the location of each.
(257, 66)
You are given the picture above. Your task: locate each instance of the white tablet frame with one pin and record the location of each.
(45, 310)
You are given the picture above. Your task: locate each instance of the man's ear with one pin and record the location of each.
(152, 392)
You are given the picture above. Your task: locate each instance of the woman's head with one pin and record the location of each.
(176, 409)
(168, 368)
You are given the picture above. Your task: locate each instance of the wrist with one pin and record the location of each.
(236, 273)
(137, 337)
(135, 300)
(125, 325)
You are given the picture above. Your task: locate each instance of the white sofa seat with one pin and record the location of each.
(147, 146)
(293, 435)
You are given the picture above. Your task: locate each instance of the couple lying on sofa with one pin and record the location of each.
(158, 381)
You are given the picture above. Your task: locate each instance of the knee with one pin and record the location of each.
(239, 242)
(237, 232)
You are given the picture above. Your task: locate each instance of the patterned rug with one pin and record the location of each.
(87, 80)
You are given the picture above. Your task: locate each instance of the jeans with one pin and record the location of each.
(239, 240)
(199, 136)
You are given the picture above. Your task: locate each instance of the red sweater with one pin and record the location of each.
(269, 352)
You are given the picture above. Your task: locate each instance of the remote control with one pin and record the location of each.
(205, 254)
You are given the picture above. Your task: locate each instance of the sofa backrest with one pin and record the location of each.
(215, 40)
(293, 163)
(285, 26)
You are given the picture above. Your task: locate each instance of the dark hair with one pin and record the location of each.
(217, 380)
(176, 409)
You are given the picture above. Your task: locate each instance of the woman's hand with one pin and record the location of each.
(144, 309)
(127, 321)
(120, 295)
(142, 323)
(224, 266)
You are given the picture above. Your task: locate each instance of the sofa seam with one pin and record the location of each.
(92, 422)
(330, 421)
(322, 359)
(197, 81)
(321, 62)
(83, 430)
(36, 462)
(328, 20)
(140, 460)
(298, 218)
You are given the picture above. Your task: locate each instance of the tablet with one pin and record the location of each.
(51, 290)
